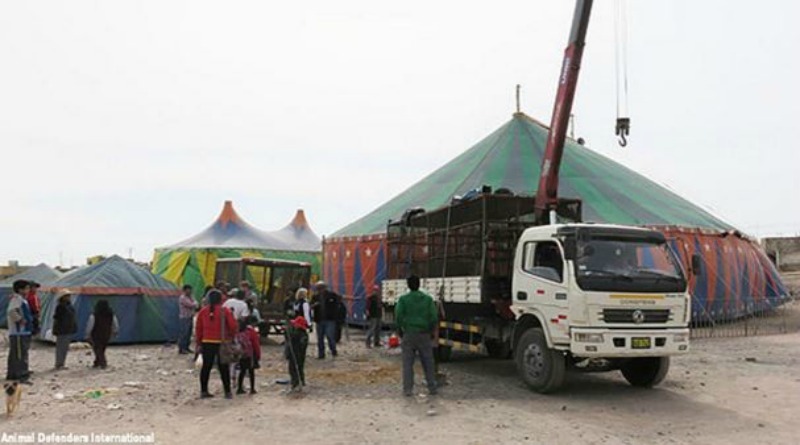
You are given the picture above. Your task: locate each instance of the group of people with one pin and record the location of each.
(226, 334)
(222, 313)
(23, 318)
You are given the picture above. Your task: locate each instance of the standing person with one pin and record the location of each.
(186, 309)
(249, 293)
(249, 339)
(100, 329)
(254, 312)
(237, 305)
(374, 317)
(224, 289)
(416, 318)
(65, 326)
(20, 324)
(300, 306)
(33, 303)
(326, 312)
(341, 318)
(208, 337)
(295, 350)
(204, 300)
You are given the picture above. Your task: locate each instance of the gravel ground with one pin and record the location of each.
(730, 390)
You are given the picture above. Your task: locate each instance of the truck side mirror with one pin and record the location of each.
(697, 264)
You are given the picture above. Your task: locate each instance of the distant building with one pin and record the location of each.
(12, 269)
(785, 252)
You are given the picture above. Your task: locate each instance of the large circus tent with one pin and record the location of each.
(193, 260)
(739, 277)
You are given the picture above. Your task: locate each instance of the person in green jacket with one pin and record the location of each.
(416, 318)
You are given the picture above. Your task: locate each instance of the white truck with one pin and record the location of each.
(589, 297)
(511, 277)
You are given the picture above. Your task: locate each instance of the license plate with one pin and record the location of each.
(640, 343)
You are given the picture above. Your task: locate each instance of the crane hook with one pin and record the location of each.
(623, 130)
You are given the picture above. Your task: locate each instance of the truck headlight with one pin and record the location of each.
(588, 338)
(680, 338)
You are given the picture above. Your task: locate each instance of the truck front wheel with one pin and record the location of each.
(541, 368)
(646, 371)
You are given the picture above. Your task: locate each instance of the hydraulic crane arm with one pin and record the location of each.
(547, 193)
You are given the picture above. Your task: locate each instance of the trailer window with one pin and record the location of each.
(544, 260)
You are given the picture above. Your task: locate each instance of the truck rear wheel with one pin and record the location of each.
(540, 367)
(646, 371)
(497, 348)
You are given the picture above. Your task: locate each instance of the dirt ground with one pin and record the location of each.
(727, 391)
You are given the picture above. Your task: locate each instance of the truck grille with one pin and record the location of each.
(627, 315)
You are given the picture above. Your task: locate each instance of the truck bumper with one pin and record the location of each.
(621, 343)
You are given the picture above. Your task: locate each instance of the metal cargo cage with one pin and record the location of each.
(474, 237)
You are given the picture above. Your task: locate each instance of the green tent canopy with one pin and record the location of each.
(511, 158)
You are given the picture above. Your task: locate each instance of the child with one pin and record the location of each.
(101, 328)
(295, 351)
(251, 348)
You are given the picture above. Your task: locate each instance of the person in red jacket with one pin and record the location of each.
(209, 335)
(33, 302)
(249, 339)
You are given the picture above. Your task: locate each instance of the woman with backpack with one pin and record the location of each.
(210, 334)
(100, 329)
(64, 327)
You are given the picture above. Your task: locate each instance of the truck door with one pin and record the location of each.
(542, 285)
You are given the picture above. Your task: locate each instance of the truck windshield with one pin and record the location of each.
(627, 265)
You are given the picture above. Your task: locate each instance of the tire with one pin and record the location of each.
(541, 368)
(443, 353)
(497, 348)
(645, 372)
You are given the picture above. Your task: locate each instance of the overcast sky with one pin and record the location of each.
(125, 125)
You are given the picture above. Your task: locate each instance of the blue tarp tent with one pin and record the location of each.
(146, 305)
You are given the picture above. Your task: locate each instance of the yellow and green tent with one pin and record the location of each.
(193, 260)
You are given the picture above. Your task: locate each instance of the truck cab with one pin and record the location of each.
(595, 295)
